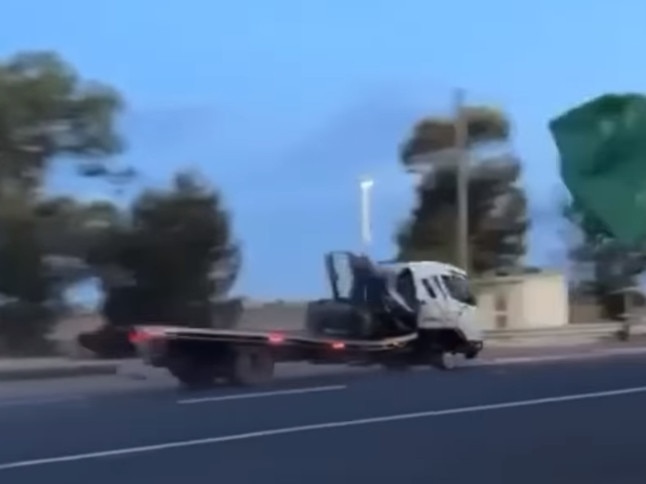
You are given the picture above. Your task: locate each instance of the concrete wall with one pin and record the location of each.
(525, 301)
(500, 302)
(584, 310)
(545, 301)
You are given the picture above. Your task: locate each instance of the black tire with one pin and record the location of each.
(445, 361)
(191, 373)
(251, 366)
(471, 354)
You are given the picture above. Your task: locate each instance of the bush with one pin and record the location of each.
(24, 328)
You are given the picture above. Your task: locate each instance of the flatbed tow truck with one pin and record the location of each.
(396, 315)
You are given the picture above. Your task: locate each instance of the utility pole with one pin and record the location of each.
(462, 160)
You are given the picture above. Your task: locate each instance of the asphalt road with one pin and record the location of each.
(565, 422)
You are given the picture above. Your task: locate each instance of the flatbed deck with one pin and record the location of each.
(269, 337)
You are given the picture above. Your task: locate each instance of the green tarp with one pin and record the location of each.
(602, 146)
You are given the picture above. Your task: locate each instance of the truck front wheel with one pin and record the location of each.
(445, 361)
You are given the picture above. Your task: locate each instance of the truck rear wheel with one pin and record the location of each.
(192, 373)
(251, 366)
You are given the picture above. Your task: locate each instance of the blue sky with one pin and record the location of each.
(285, 103)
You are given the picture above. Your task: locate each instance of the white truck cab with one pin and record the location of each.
(446, 303)
(378, 300)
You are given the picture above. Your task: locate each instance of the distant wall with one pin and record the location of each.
(585, 310)
(521, 301)
(68, 328)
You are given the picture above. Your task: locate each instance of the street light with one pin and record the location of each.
(365, 186)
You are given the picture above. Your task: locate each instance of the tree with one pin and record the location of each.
(603, 265)
(47, 112)
(178, 253)
(430, 136)
(602, 153)
(497, 205)
(68, 230)
(25, 315)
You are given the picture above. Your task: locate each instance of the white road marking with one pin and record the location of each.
(32, 401)
(625, 351)
(277, 393)
(322, 426)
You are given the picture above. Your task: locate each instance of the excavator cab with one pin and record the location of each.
(353, 278)
(367, 301)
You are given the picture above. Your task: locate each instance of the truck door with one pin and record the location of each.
(463, 304)
(349, 275)
(433, 302)
(405, 305)
(340, 274)
(405, 288)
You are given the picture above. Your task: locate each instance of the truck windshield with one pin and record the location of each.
(458, 288)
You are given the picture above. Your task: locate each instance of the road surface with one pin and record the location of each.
(560, 422)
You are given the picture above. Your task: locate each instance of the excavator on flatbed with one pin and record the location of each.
(396, 315)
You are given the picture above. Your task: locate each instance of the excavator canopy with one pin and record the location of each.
(602, 147)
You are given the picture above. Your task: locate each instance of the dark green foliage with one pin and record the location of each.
(432, 135)
(165, 259)
(26, 309)
(176, 257)
(497, 219)
(497, 204)
(47, 111)
(602, 151)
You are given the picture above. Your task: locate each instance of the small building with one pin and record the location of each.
(522, 301)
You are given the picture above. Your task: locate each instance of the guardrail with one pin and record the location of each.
(571, 330)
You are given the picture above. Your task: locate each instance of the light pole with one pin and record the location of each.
(365, 186)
